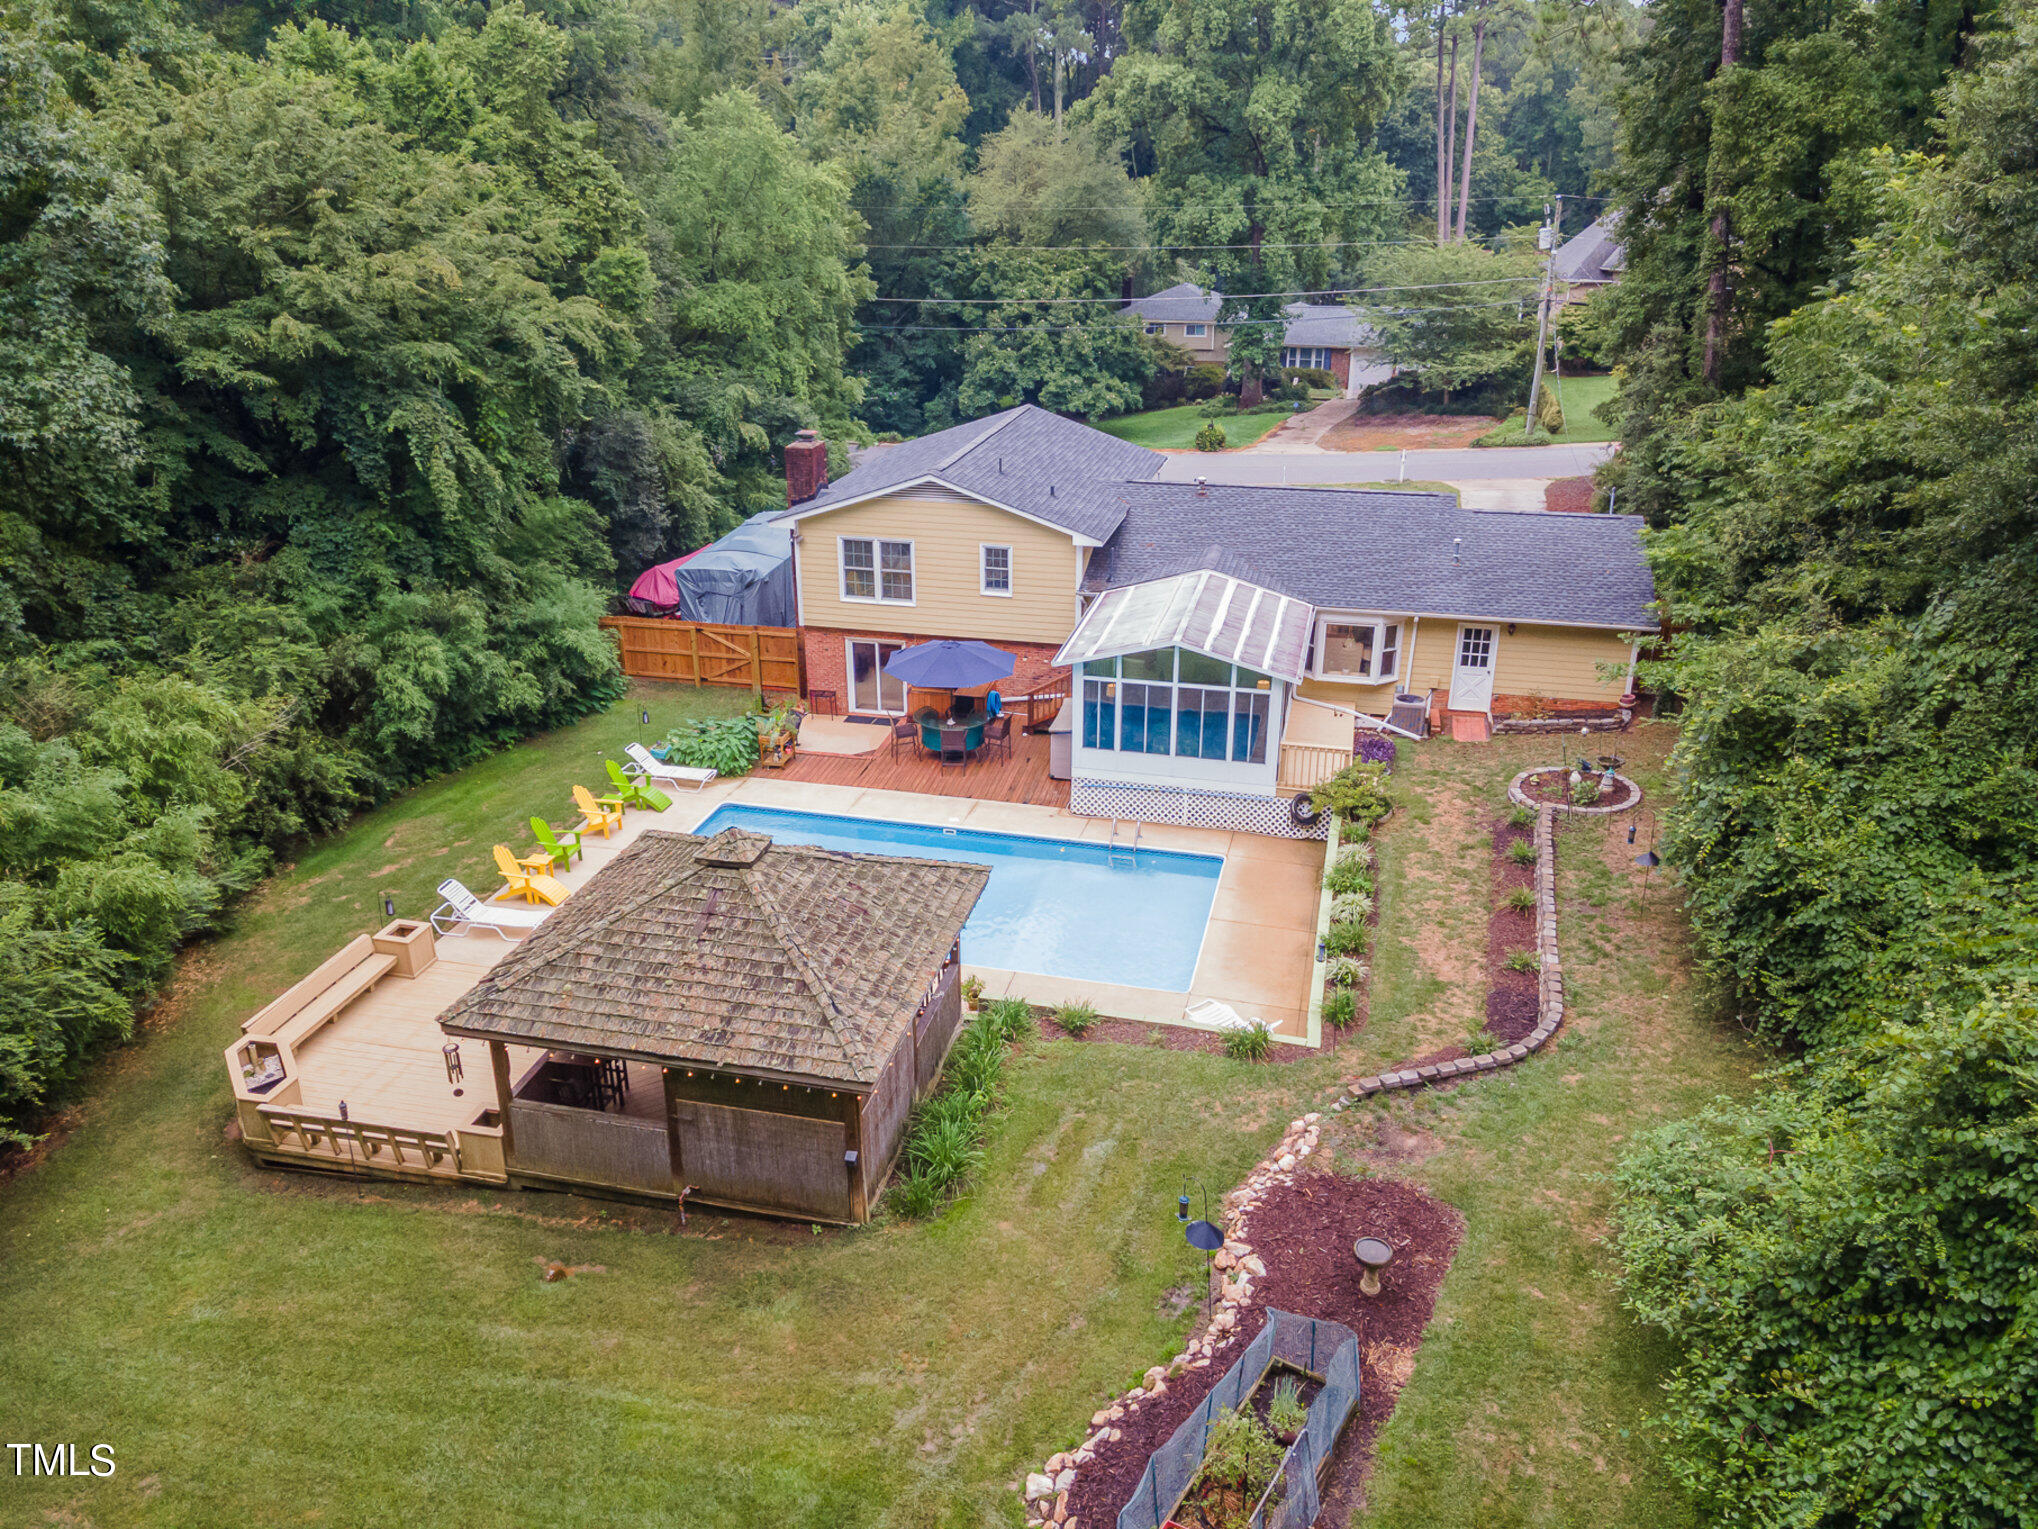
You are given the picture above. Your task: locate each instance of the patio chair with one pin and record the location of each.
(998, 734)
(636, 793)
(462, 907)
(599, 815)
(561, 847)
(644, 764)
(520, 881)
(905, 730)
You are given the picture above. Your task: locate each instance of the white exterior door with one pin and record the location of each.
(1472, 677)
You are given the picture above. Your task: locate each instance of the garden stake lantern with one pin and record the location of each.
(388, 906)
(1373, 1254)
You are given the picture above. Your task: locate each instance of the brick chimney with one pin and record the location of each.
(806, 467)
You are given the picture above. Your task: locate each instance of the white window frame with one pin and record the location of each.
(1156, 329)
(877, 570)
(1195, 331)
(1328, 619)
(984, 550)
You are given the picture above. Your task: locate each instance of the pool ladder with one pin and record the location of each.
(1129, 851)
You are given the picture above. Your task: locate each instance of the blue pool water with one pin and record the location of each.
(1053, 907)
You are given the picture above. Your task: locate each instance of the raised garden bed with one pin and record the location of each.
(1553, 786)
(1511, 996)
(1304, 1231)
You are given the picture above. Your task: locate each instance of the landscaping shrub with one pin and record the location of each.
(1519, 816)
(1239, 1457)
(1356, 794)
(1076, 1018)
(1308, 377)
(1521, 852)
(1253, 1043)
(1350, 872)
(1521, 899)
(1348, 937)
(1340, 1007)
(1846, 1267)
(1586, 792)
(727, 745)
(1206, 381)
(1377, 748)
(1353, 833)
(1351, 907)
(945, 1137)
(1211, 437)
(1522, 961)
(1345, 971)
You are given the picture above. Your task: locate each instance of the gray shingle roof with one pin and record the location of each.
(1027, 459)
(1330, 324)
(732, 952)
(1392, 552)
(1593, 254)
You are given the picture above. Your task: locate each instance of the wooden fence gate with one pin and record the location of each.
(753, 658)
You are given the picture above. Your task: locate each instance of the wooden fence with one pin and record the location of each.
(753, 658)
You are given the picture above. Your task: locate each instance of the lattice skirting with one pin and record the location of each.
(1183, 807)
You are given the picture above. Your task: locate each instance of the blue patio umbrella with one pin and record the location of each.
(949, 665)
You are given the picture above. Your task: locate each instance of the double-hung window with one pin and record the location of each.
(997, 569)
(1195, 331)
(875, 569)
(1364, 648)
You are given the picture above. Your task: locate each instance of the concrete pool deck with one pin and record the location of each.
(1259, 947)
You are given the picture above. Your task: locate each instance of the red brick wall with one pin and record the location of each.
(827, 660)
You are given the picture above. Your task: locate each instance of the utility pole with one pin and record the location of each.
(1547, 237)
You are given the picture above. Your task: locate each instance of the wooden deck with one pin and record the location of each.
(1021, 778)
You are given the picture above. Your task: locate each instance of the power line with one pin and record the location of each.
(1379, 308)
(1433, 286)
(1162, 249)
(1303, 202)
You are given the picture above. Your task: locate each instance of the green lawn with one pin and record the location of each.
(1580, 396)
(262, 1348)
(1175, 429)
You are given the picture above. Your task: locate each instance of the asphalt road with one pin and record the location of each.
(1385, 466)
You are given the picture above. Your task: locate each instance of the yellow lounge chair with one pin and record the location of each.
(596, 815)
(531, 886)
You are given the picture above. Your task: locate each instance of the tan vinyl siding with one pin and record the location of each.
(1560, 663)
(948, 600)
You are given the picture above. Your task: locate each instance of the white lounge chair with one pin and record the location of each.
(1213, 1015)
(463, 907)
(642, 764)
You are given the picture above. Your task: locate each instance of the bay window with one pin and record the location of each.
(1364, 648)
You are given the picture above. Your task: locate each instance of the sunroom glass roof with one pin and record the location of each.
(1206, 612)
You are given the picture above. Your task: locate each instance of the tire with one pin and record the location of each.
(1302, 811)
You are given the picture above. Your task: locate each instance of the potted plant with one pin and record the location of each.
(778, 734)
(973, 993)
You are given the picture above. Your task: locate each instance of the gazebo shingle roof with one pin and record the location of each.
(732, 952)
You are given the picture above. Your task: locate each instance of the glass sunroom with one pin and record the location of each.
(1185, 681)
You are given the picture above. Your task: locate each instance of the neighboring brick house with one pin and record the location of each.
(1325, 335)
(1055, 541)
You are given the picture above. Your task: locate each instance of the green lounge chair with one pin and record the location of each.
(636, 793)
(561, 847)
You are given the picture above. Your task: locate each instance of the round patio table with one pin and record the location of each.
(953, 744)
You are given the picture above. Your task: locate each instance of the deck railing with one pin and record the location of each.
(1305, 766)
(360, 1143)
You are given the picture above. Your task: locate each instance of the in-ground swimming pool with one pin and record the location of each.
(1063, 909)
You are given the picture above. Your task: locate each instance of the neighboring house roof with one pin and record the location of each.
(1025, 459)
(732, 952)
(1206, 611)
(1330, 324)
(1418, 553)
(1593, 255)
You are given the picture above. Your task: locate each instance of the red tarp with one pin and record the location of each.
(656, 585)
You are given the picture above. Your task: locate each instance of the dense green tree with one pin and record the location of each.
(1464, 319)
(1251, 125)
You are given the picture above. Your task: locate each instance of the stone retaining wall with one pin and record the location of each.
(1549, 985)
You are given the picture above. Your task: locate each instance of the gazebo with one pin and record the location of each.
(727, 1020)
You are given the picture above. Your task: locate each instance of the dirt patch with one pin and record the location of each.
(1304, 1231)
(1411, 432)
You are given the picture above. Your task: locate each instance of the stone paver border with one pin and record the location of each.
(1520, 797)
(1549, 978)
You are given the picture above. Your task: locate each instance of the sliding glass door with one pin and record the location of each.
(870, 688)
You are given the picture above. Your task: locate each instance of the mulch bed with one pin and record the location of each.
(1511, 1009)
(1570, 495)
(1304, 1232)
(1554, 786)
